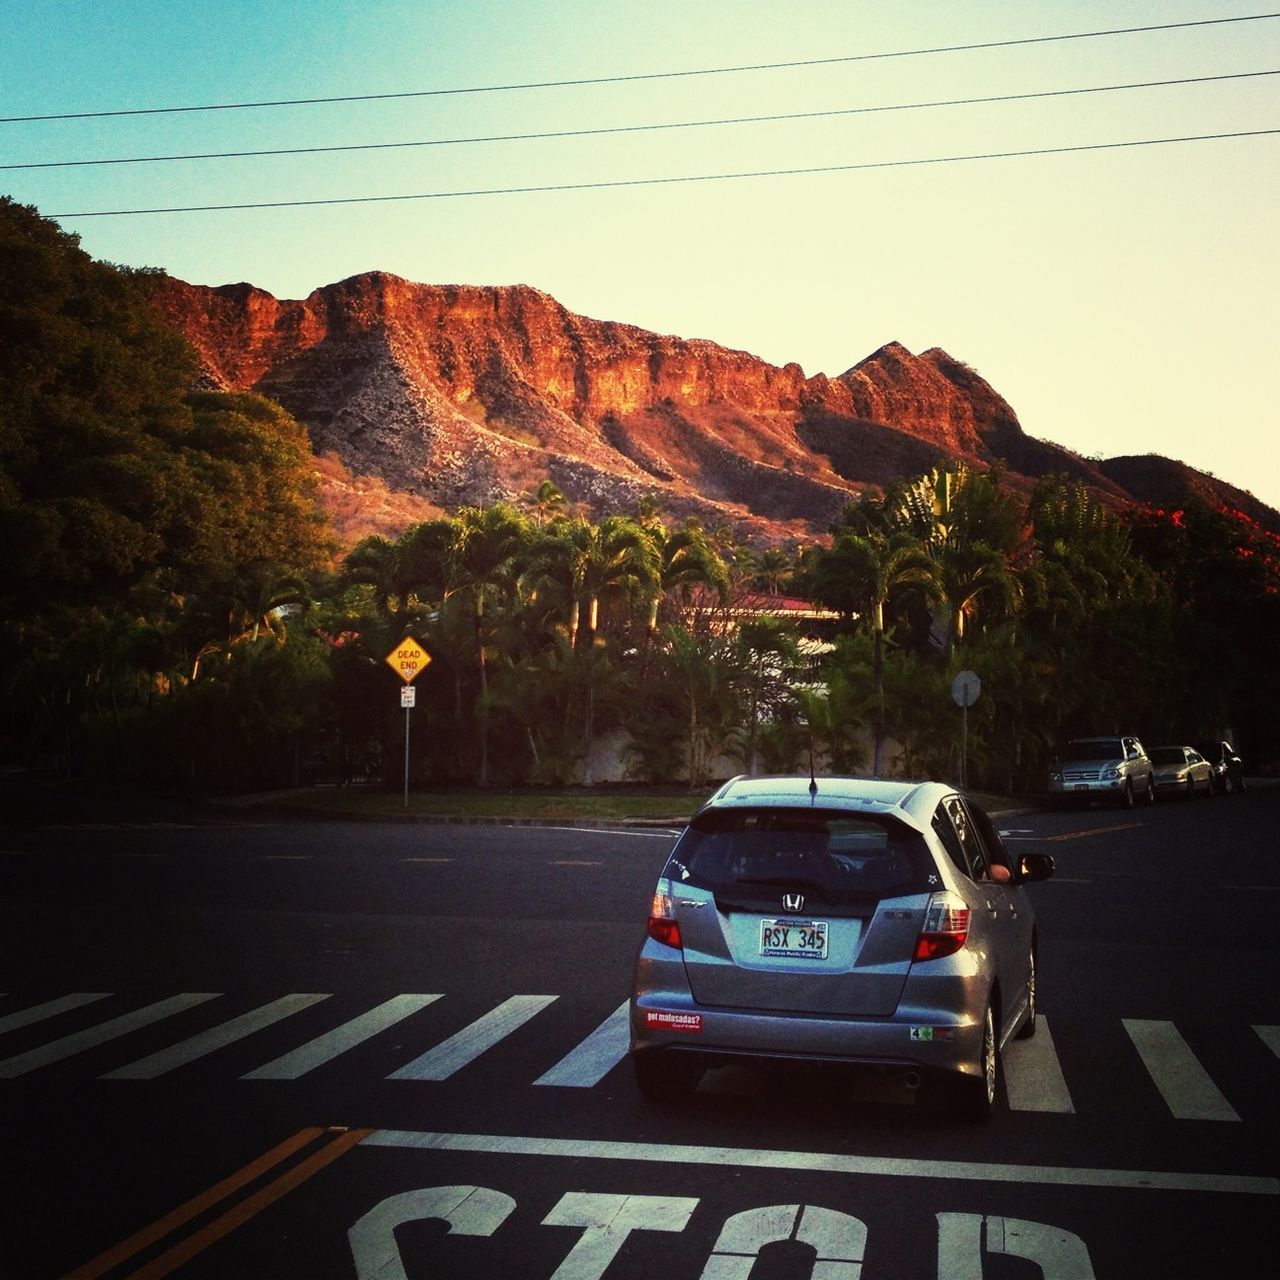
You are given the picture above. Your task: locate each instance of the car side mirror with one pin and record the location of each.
(1034, 866)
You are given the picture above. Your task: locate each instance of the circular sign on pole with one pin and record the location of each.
(965, 688)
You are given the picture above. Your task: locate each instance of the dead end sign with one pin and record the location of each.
(408, 659)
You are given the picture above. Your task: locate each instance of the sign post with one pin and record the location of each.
(408, 660)
(965, 689)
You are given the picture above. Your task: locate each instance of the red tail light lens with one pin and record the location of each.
(663, 926)
(946, 927)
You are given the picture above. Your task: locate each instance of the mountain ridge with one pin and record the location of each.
(464, 395)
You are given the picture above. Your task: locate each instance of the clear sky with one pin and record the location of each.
(1123, 300)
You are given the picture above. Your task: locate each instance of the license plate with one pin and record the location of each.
(1082, 786)
(793, 939)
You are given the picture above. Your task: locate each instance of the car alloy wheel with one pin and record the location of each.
(975, 1096)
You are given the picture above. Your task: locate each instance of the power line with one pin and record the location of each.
(642, 128)
(650, 75)
(668, 181)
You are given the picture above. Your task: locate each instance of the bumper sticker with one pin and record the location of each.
(662, 1021)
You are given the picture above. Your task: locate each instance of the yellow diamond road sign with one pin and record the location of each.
(408, 659)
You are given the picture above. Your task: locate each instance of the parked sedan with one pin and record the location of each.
(1182, 770)
(838, 920)
(1228, 768)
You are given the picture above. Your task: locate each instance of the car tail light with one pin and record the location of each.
(946, 927)
(663, 926)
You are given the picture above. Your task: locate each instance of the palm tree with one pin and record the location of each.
(619, 560)
(262, 589)
(704, 675)
(770, 649)
(687, 559)
(860, 572)
(967, 574)
(548, 503)
(488, 543)
(376, 562)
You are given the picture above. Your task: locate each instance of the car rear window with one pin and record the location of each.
(840, 856)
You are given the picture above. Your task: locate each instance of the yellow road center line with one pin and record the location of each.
(162, 1227)
(1094, 831)
(185, 1250)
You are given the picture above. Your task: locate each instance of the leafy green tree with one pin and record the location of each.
(686, 560)
(770, 654)
(858, 575)
(489, 542)
(123, 497)
(705, 676)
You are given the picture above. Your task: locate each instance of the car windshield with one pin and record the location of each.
(841, 856)
(1093, 749)
(1168, 755)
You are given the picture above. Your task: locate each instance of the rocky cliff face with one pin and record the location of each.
(464, 395)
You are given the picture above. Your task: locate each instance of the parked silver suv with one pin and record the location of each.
(1111, 768)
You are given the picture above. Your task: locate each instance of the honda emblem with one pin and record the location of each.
(793, 902)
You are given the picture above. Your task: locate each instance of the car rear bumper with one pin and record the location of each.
(923, 1040)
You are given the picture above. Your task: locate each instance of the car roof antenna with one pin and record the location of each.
(813, 781)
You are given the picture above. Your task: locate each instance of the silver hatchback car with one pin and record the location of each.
(838, 920)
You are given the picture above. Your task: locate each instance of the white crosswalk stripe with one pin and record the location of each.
(1035, 1080)
(70, 1045)
(50, 1009)
(1183, 1083)
(1033, 1075)
(442, 1061)
(328, 1046)
(1270, 1037)
(179, 1055)
(596, 1056)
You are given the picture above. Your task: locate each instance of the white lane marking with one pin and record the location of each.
(660, 833)
(466, 1210)
(1270, 1037)
(57, 1050)
(50, 1009)
(596, 1056)
(1033, 1075)
(469, 1043)
(823, 1162)
(1058, 1254)
(197, 1046)
(838, 1239)
(1183, 1083)
(325, 1048)
(606, 1222)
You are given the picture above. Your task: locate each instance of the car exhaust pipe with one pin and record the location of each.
(912, 1079)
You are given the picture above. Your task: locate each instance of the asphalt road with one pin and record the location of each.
(237, 1049)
